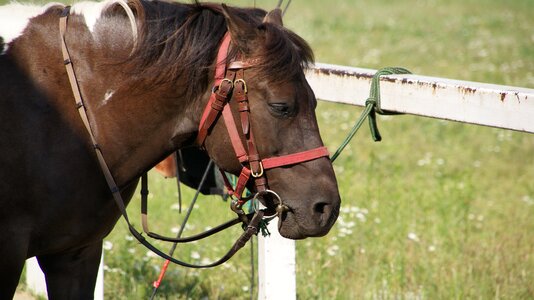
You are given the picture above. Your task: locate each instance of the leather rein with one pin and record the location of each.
(229, 84)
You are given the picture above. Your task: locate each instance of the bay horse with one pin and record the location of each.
(146, 72)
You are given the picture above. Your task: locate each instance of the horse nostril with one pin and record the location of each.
(320, 207)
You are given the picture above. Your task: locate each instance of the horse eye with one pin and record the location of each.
(280, 109)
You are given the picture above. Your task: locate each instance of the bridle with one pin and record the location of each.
(229, 84)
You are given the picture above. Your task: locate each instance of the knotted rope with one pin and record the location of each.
(372, 107)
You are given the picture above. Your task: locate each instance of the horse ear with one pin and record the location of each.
(274, 17)
(242, 32)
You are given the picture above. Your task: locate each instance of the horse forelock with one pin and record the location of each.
(284, 54)
(179, 42)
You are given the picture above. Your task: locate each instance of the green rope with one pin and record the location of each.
(372, 107)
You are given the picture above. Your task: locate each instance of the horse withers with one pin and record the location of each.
(145, 70)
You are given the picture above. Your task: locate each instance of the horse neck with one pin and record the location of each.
(135, 122)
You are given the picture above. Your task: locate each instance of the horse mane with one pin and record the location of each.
(178, 43)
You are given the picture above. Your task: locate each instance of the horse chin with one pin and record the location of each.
(288, 227)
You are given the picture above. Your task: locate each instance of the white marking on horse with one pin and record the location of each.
(14, 18)
(92, 11)
(107, 96)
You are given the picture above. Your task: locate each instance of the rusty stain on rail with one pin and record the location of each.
(341, 72)
(368, 76)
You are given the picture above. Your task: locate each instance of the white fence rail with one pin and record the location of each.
(470, 102)
(464, 101)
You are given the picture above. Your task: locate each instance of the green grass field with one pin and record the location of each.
(437, 210)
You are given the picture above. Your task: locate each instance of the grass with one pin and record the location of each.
(437, 210)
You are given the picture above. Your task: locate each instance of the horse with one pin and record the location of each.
(145, 70)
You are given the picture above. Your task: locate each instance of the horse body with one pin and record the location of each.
(56, 204)
(56, 199)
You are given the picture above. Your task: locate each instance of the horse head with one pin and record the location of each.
(269, 63)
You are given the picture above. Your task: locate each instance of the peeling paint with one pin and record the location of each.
(468, 90)
(339, 72)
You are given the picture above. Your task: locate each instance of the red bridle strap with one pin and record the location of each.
(229, 121)
(295, 158)
(217, 98)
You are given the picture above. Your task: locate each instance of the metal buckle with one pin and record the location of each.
(217, 87)
(259, 174)
(244, 84)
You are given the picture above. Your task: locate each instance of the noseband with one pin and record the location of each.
(230, 84)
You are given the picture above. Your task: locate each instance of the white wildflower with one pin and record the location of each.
(195, 255)
(107, 245)
(528, 200)
(344, 231)
(332, 250)
(354, 209)
(150, 254)
(350, 224)
(413, 237)
(205, 261)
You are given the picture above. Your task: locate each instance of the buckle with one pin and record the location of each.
(259, 174)
(244, 84)
(217, 87)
